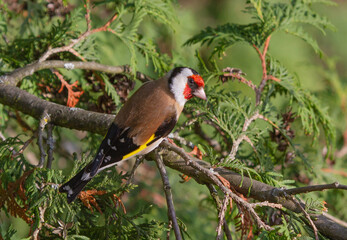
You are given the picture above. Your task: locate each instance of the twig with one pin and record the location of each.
(168, 194)
(231, 73)
(181, 140)
(221, 219)
(237, 74)
(45, 118)
(306, 215)
(74, 52)
(137, 163)
(270, 77)
(242, 137)
(235, 148)
(315, 188)
(87, 16)
(218, 203)
(25, 145)
(266, 204)
(169, 230)
(50, 145)
(262, 57)
(15, 76)
(41, 221)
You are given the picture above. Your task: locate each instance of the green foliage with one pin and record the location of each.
(41, 196)
(269, 16)
(128, 31)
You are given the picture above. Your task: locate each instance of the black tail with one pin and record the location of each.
(74, 186)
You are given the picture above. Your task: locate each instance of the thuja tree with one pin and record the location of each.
(246, 150)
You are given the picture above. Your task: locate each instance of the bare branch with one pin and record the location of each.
(315, 188)
(168, 194)
(25, 145)
(230, 73)
(50, 145)
(17, 75)
(87, 16)
(218, 203)
(45, 118)
(267, 204)
(221, 215)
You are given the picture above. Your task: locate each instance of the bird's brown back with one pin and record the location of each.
(147, 109)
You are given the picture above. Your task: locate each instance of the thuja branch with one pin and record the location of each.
(243, 136)
(234, 73)
(83, 36)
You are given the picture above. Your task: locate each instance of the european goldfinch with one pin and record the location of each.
(142, 123)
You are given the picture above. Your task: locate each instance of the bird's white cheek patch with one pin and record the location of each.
(177, 89)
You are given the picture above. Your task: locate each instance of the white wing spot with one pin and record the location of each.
(109, 142)
(68, 189)
(114, 148)
(121, 140)
(108, 158)
(85, 176)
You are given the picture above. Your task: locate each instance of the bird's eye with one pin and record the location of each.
(191, 80)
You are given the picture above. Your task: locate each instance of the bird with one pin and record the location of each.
(145, 119)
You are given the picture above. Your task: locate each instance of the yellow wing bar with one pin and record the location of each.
(143, 146)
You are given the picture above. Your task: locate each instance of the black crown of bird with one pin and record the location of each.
(142, 123)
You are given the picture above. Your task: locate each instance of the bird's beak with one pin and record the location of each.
(200, 93)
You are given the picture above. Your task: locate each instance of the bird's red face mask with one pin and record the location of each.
(194, 87)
